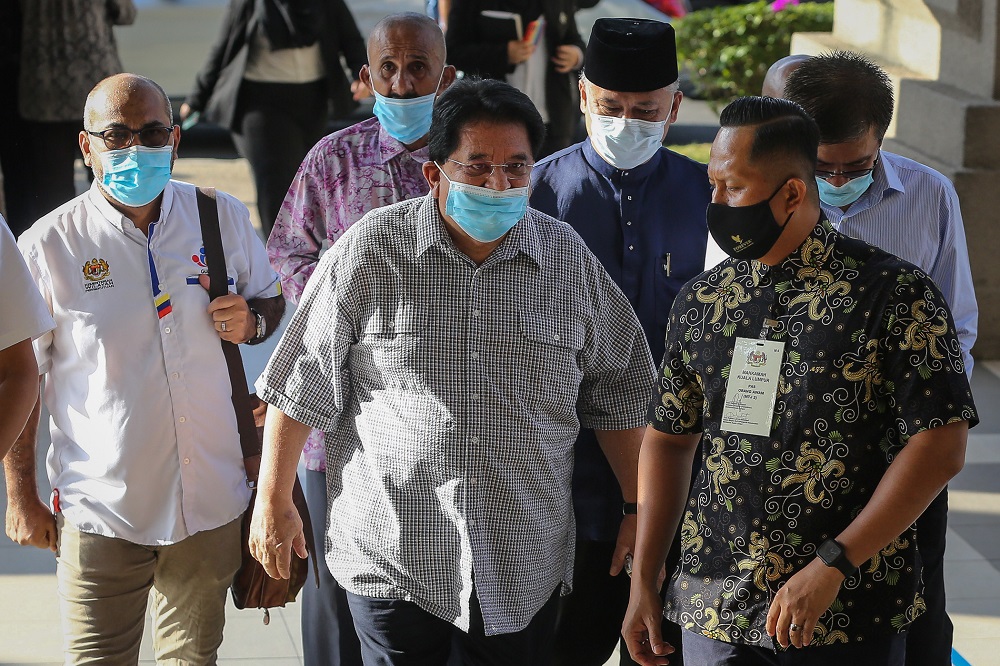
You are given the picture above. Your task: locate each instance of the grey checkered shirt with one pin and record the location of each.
(452, 395)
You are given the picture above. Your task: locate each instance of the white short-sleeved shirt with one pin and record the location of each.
(144, 439)
(23, 314)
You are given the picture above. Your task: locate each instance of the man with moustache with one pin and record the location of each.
(145, 465)
(451, 346)
(374, 163)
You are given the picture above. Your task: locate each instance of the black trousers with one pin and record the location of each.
(394, 632)
(328, 635)
(883, 651)
(275, 126)
(590, 619)
(929, 640)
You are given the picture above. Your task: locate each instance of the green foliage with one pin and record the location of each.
(728, 49)
(697, 151)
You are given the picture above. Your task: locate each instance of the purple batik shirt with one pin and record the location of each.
(345, 175)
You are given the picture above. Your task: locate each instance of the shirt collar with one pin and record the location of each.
(815, 249)
(608, 171)
(114, 216)
(390, 148)
(522, 238)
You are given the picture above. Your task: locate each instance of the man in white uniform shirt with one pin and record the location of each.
(145, 465)
(23, 317)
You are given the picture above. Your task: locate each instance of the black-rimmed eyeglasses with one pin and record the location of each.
(117, 138)
(483, 169)
(848, 175)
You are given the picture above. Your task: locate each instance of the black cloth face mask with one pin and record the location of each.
(745, 232)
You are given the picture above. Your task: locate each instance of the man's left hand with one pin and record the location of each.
(801, 601)
(231, 316)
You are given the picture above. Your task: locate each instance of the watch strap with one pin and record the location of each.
(838, 561)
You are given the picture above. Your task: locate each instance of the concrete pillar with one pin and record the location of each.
(944, 61)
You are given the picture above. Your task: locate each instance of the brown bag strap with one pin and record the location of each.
(211, 236)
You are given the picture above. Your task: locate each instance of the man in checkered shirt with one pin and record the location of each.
(451, 347)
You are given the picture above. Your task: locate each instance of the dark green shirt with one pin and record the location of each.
(870, 358)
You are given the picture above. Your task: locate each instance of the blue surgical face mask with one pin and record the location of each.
(406, 120)
(485, 214)
(625, 143)
(136, 175)
(846, 194)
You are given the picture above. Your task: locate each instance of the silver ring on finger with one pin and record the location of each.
(793, 627)
(223, 327)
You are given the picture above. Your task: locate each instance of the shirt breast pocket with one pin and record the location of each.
(389, 355)
(548, 369)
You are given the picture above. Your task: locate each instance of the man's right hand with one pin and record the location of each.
(30, 523)
(641, 628)
(275, 530)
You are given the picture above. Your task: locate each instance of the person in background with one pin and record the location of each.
(23, 317)
(822, 380)
(271, 78)
(484, 45)
(641, 209)
(67, 46)
(777, 74)
(438, 10)
(912, 211)
(450, 346)
(145, 464)
(374, 163)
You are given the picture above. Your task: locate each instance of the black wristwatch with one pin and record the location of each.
(261, 326)
(832, 554)
(630, 508)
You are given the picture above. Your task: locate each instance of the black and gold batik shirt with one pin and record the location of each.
(870, 358)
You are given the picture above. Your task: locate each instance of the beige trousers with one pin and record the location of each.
(104, 584)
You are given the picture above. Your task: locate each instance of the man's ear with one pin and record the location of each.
(433, 176)
(366, 77)
(583, 97)
(447, 78)
(84, 141)
(796, 194)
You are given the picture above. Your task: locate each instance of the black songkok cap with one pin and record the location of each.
(631, 55)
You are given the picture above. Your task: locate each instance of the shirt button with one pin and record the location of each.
(474, 355)
(166, 330)
(176, 375)
(624, 173)
(472, 481)
(555, 337)
(475, 313)
(475, 439)
(630, 197)
(475, 396)
(182, 419)
(629, 223)
(631, 247)
(187, 461)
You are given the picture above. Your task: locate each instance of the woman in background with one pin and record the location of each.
(272, 78)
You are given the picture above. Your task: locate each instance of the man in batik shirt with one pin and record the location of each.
(823, 379)
(374, 163)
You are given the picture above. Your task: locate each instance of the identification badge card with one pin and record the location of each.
(752, 387)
